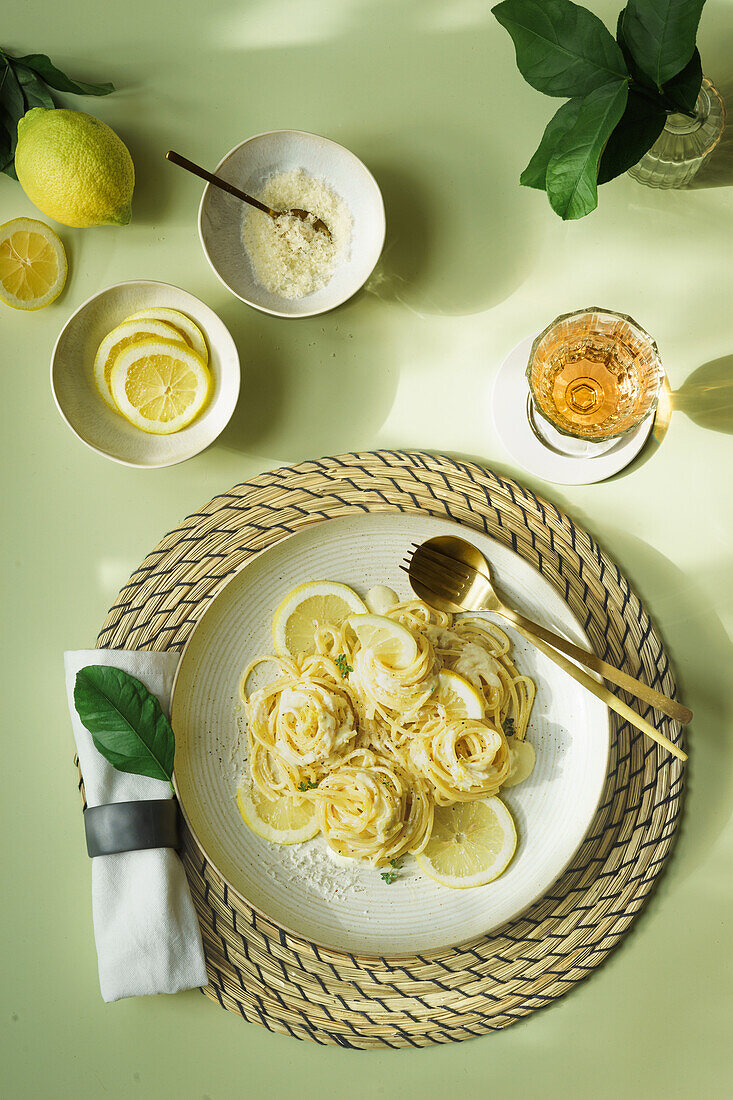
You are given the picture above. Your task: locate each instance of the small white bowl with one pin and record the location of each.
(91, 419)
(248, 166)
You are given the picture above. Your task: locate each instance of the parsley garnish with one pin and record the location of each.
(343, 666)
(307, 785)
(508, 727)
(391, 876)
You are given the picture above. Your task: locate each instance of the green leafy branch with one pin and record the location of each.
(26, 82)
(619, 92)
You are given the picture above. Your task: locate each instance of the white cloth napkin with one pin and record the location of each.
(145, 925)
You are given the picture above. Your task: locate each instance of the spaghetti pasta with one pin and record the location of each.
(372, 743)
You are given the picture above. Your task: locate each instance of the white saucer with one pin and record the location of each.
(509, 406)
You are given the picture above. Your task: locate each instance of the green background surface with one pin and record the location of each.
(427, 93)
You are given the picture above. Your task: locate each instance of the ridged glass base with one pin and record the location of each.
(684, 144)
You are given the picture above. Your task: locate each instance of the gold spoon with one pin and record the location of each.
(217, 181)
(452, 575)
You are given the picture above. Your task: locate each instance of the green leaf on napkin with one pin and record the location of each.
(562, 49)
(126, 721)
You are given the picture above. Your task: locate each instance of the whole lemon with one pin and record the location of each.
(74, 168)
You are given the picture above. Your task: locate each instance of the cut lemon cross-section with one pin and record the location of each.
(459, 698)
(32, 264)
(159, 385)
(390, 641)
(471, 844)
(312, 604)
(190, 331)
(282, 820)
(129, 332)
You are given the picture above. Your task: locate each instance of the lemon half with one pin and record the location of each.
(159, 385)
(282, 820)
(311, 603)
(120, 338)
(471, 844)
(190, 331)
(392, 643)
(32, 264)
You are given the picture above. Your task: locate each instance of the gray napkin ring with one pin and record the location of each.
(131, 826)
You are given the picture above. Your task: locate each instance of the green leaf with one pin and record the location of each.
(35, 92)
(681, 92)
(11, 95)
(12, 105)
(634, 71)
(46, 69)
(641, 124)
(573, 168)
(125, 720)
(661, 35)
(562, 49)
(6, 146)
(534, 175)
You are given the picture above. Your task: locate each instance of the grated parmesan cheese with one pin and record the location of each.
(289, 256)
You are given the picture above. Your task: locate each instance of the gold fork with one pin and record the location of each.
(452, 575)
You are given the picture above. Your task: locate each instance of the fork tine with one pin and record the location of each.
(450, 566)
(437, 583)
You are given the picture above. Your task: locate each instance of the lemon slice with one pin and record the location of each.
(458, 696)
(315, 602)
(471, 843)
(119, 339)
(32, 264)
(159, 385)
(522, 759)
(390, 641)
(282, 820)
(190, 331)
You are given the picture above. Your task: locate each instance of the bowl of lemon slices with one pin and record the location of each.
(146, 374)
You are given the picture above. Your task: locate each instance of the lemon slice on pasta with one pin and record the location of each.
(282, 820)
(471, 844)
(315, 603)
(458, 696)
(390, 641)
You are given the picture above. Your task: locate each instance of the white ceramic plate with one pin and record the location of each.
(92, 421)
(248, 166)
(299, 886)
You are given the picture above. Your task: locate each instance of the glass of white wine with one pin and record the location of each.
(594, 376)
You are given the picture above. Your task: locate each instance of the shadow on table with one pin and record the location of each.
(336, 400)
(706, 397)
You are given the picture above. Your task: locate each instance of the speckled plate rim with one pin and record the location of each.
(258, 305)
(428, 953)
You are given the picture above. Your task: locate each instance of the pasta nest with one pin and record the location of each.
(370, 808)
(462, 759)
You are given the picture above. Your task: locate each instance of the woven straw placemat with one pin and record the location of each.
(286, 983)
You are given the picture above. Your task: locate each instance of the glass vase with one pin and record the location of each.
(684, 144)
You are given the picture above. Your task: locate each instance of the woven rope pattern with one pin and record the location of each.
(291, 986)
